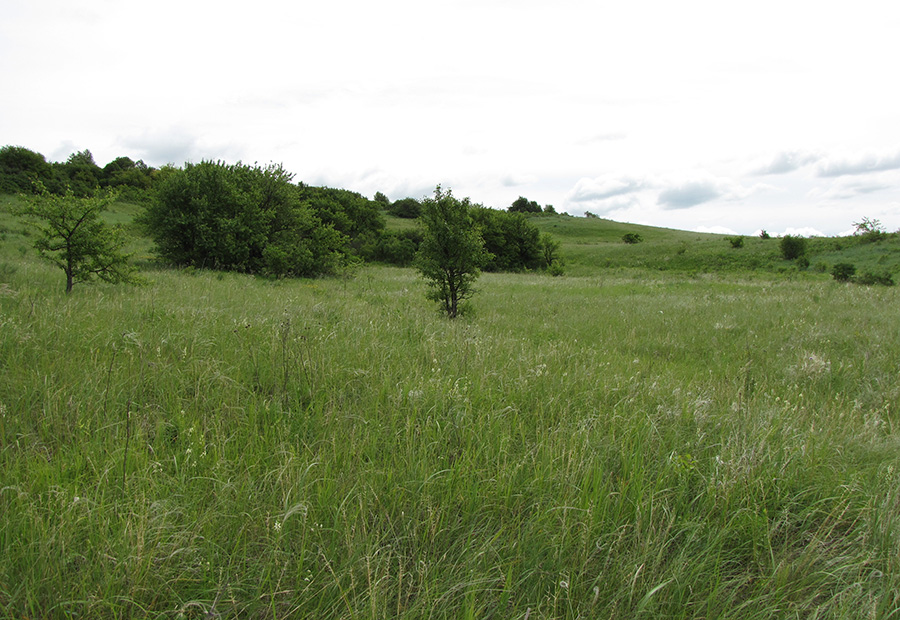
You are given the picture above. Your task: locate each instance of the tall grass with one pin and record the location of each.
(602, 447)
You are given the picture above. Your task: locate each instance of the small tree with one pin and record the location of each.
(452, 252)
(72, 236)
(792, 247)
(869, 230)
(631, 238)
(736, 242)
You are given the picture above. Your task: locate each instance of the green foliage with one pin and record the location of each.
(409, 208)
(381, 199)
(393, 247)
(632, 238)
(736, 242)
(869, 230)
(792, 247)
(843, 272)
(550, 253)
(510, 238)
(452, 252)
(764, 235)
(523, 205)
(350, 213)
(240, 218)
(20, 169)
(79, 174)
(869, 278)
(71, 235)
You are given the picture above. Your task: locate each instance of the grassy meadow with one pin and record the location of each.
(616, 443)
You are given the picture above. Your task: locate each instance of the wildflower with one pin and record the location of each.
(277, 526)
(564, 584)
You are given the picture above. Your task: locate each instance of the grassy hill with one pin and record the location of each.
(593, 245)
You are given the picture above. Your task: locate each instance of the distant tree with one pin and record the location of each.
(764, 235)
(589, 215)
(72, 236)
(632, 238)
(409, 208)
(382, 199)
(240, 218)
(452, 252)
(20, 168)
(869, 230)
(80, 173)
(736, 242)
(792, 247)
(549, 210)
(523, 205)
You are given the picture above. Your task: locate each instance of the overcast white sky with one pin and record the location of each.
(698, 115)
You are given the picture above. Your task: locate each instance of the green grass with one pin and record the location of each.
(627, 444)
(593, 245)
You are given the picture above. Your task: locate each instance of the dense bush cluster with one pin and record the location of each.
(243, 218)
(21, 169)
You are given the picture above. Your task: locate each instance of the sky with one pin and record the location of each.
(712, 116)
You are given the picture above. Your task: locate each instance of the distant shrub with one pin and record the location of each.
(736, 242)
(792, 247)
(556, 269)
(632, 238)
(764, 235)
(589, 215)
(803, 262)
(843, 272)
(821, 266)
(869, 278)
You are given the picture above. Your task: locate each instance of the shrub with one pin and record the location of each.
(792, 247)
(869, 278)
(764, 235)
(843, 272)
(240, 218)
(632, 238)
(736, 242)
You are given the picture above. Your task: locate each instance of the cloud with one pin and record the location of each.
(176, 145)
(861, 164)
(691, 193)
(604, 187)
(701, 189)
(786, 161)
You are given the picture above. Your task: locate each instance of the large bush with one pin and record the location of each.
(240, 218)
(513, 242)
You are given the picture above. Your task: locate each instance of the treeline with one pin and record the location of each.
(255, 219)
(23, 171)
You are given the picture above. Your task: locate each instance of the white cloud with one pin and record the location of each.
(784, 162)
(865, 163)
(604, 187)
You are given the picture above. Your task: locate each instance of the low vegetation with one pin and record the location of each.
(676, 429)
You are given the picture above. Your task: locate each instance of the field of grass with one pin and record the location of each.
(625, 444)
